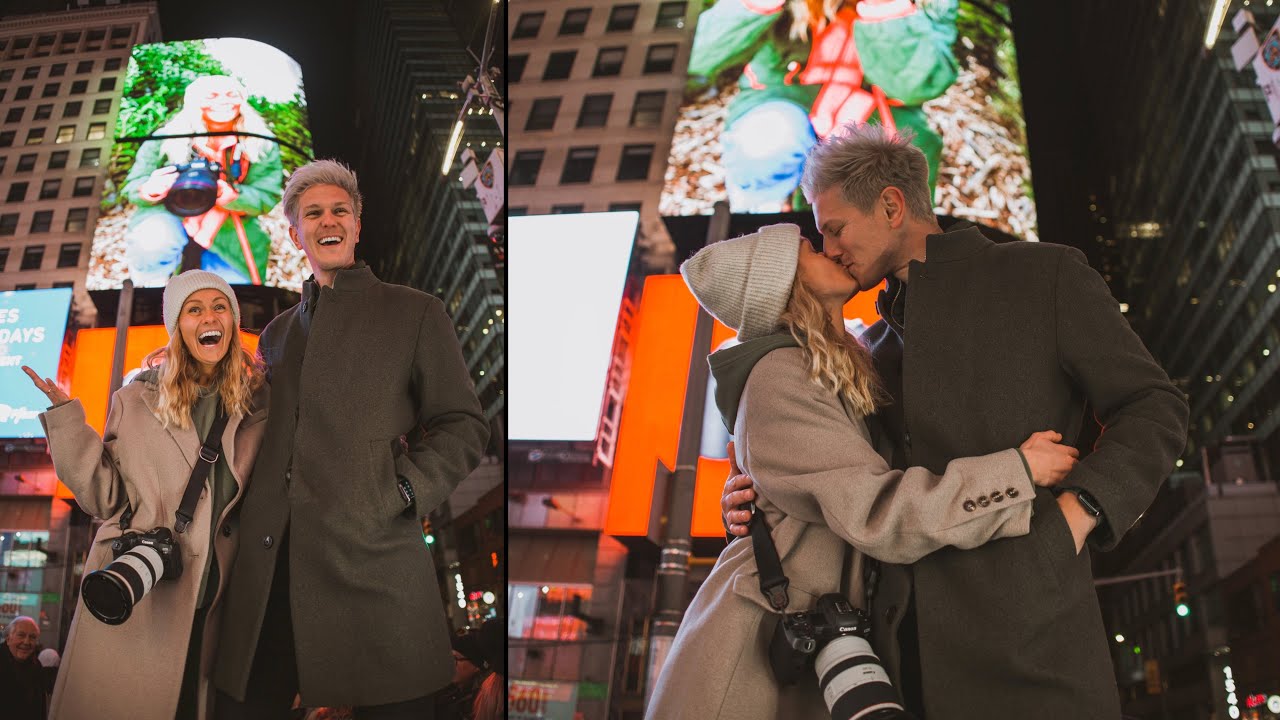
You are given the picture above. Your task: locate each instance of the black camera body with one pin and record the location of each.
(161, 540)
(831, 641)
(195, 192)
(799, 636)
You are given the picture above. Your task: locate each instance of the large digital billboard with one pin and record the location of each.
(207, 133)
(769, 78)
(32, 325)
(564, 286)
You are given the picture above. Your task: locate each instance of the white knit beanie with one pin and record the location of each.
(745, 282)
(181, 287)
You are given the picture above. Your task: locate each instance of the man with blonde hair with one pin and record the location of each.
(997, 341)
(334, 594)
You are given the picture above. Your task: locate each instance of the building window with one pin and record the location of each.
(93, 41)
(575, 21)
(69, 253)
(106, 84)
(622, 18)
(26, 163)
(595, 110)
(8, 224)
(43, 112)
(83, 67)
(17, 192)
(4, 255)
(51, 90)
(83, 186)
(49, 189)
(35, 136)
(546, 612)
(624, 206)
(635, 163)
(77, 219)
(528, 25)
(79, 87)
(111, 64)
(559, 65)
(543, 114)
(58, 70)
(647, 112)
(102, 106)
(23, 93)
(31, 73)
(97, 131)
(6, 138)
(42, 221)
(567, 209)
(519, 211)
(670, 15)
(32, 256)
(515, 67)
(14, 115)
(58, 160)
(660, 58)
(609, 62)
(7, 74)
(71, 109)
(579, 164)
(66, 134)
(90, 157)
(25, 286)
(524, 171)
(64, 284)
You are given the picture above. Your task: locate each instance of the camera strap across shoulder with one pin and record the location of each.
(210, 451)
(773, 581)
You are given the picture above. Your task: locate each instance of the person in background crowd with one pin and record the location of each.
(22, 686)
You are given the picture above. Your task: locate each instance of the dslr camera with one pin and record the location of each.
(141, 560)
(831, 641)
(195, 191)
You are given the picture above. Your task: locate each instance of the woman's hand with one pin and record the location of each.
(1049, 460)
(157, 186)
(226, 193)
(46, 386)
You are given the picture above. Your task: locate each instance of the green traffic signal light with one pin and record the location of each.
(1183, 610)
(430, 539)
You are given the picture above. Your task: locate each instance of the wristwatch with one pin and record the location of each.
(1087, 501)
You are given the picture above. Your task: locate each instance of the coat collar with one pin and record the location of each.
(356, 278)
(186, 439)
(962, 241)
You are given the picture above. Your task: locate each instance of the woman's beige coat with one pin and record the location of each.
(821, 486)
(133, 671)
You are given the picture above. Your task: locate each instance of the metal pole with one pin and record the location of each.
(673, 566)
(1139, 576)
(124, 314)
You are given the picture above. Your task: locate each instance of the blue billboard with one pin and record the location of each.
(32, 324)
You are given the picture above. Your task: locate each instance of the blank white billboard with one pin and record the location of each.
(565, 276)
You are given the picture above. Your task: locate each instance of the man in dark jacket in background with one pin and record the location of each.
(373, 422)
(22, 680)
(996, 342)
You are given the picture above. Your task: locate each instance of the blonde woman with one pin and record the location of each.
(155, 662)
(794, 394)
(249, 181)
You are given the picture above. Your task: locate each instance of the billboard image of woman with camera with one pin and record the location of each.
(166, 476)
(206, 190)
(796, 393)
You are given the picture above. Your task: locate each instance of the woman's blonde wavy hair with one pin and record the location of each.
(237, 376)
(836, 360)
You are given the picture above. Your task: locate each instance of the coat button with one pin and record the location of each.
(267, 542)
(226, 530)
(997, 496)
(970, 506)
(288, 475)
(983, 501)
(1011, 492)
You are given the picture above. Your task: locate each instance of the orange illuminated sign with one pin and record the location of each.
(91, 367)
(651, 414)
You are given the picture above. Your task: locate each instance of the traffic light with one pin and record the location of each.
(1180, 604)
(427, 535)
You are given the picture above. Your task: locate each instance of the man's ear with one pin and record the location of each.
(893, 206)
(293, 235)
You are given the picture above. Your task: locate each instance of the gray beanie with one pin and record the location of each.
(181, 287)
(745, 282)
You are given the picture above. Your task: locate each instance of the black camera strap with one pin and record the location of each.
(773, 582)
(210, 451)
